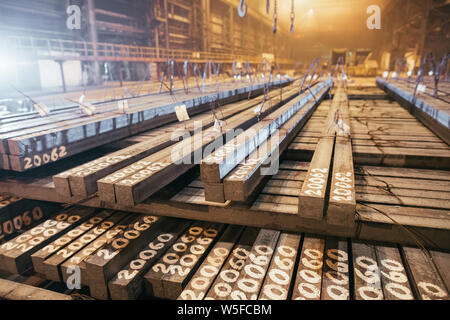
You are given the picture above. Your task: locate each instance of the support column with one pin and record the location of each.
(231, 28)
(61, 69)
(120, 68)
(94, 39)
(205, 24)
(166, 9)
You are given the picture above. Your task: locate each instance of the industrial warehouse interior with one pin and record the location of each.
(168, 150)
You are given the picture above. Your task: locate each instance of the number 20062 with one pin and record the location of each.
(316, 182)
(343, 187)
(37, 160)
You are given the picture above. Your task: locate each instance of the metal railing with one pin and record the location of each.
(60, 49)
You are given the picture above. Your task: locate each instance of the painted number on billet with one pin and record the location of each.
(310, 265)
(37, 235)
(148, 253)
(230, 274)
(206, 275)
(254, 273)
(368, 271)
(37, 160)
(337, 261)
(25, 219)
(280, 275)
(343, 187)
(395, 280)
(316, 182)
(181, 260)
(121, 242)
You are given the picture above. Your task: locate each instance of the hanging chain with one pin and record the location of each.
(267, 6)
(292, 16)
(275, 17)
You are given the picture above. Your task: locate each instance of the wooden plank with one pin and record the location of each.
(200, 283)
(230, 272)
(400, 144)
(393, 275)
(404, 183)
(119, 222)
(425, 278)
(10, 290)
(128, 284)
(400, 192)
(280, 273)
(335, 280)
(15, 255)
(312, 195)
(404, 172)
(401, 200)
(249, 282)
(54, 247)
(402, 157)
(342, 204)
(308, 280)
(442, 262)
(107, 261)
(183, 258)
(366, 272)
(214, 192)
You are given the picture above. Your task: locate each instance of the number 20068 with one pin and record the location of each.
(37, 160)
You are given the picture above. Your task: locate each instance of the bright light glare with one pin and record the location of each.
(4, 63)
(385, 74)
(409, 73)
(311, 12)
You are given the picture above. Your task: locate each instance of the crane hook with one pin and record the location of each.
(242, 8)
